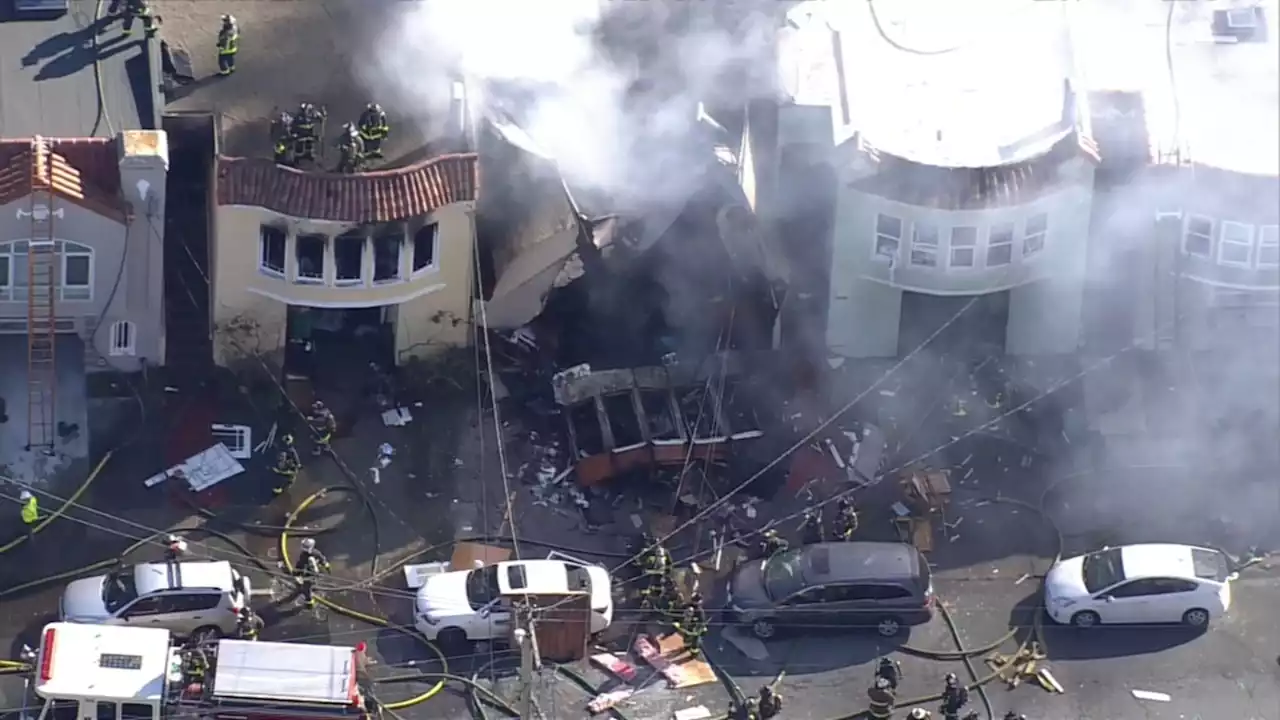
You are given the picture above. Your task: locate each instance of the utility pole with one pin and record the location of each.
(527, 639)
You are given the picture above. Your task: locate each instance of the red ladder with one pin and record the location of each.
(42, 287)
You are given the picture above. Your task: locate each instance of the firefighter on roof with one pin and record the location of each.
(228, 45)
(134, 10)
(351, 145)
(281, 142)
(311, 562)
(303, 131)
(373, 129)
(322, 427)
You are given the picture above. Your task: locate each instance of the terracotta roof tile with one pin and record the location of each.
(85, 171)
(379, 196)
(943, 188)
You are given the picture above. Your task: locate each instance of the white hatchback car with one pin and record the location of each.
(1152, 583)
(187, 598)
(454, 607)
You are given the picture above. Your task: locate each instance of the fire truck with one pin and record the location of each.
(105, 672)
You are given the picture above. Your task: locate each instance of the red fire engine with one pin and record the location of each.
(102, 672)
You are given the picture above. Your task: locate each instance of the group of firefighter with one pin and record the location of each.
(322, 424)
(294, 136)
(311, 563)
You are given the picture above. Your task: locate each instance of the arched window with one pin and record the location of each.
(75, 278)
(124, 338)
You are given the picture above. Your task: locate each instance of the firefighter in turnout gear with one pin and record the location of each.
(846, 520)
(30, 512)
(811, 527)
(954, 697)
(134, 10)
(228, 45)
(881, 698)
(285, 471)
(890, 670)
(655, 561)
(302, 130)
(660, 594)
(322, 427)
(691, 629)
(248, 624)
(772, 543)
(311, 562)
(373, 129)
(769, 702)
(351, 147)
(281, 142)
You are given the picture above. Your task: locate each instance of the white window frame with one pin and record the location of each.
(1187, 234)
(924, 249)
(952, 247)
(1224, 243)
(373, 260)
(122, 339)
(238, 439)
(64, 249)
(364, 259)
(435, 251)
(298, 278)
(1042, 234)
(1011, 233)
(878, 236)
(263, 267)
(1268, 238)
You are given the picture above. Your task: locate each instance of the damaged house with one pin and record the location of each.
(942, 188)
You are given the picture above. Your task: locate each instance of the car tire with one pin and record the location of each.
(1085, 619)
(1197, 618)
(451, 638)
(889, 627)
(205, 635)
(764, 629)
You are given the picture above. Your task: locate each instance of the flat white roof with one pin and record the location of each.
(1220, 103)
(102, 661)
(250, 669)
(977, 85)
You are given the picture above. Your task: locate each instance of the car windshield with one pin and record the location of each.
(482, 586)
(119, 589)
(783, 575)
(1103, 569)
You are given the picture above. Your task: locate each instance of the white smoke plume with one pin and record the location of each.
(607, 89)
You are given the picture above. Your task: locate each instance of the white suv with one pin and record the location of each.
(185, 598)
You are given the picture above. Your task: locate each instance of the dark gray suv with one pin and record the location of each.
(832, 585)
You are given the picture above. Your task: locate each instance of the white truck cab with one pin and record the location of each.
(112, 672)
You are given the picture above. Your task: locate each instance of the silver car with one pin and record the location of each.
(185, 598)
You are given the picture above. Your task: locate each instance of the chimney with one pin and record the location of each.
(144, 166)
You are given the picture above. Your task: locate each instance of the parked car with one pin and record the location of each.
(455, 607)
(186, 598)
(1151, 583)
(885, 585)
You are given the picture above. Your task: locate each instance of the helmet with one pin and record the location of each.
(317, 405)
(952, 679)
(24, 495)
(695, 598)
(286, 440)
(882, 683)
(766, 691)
(306, 107)
(228, 19)
(173, 539)
(374, 107)
(918, 714)
(308, 544)
(350, 128)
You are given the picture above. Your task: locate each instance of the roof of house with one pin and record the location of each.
(946, 84)
(55, 82)
(980, 188)
(85, 171)
(380, 196)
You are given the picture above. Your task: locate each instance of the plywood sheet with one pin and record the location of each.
(467, 555)
(695, 670)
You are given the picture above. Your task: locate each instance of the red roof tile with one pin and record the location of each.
(943, 188)
(85, 171)
(379, 196)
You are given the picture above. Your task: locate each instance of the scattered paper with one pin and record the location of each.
(1148, 695)
(698, 712)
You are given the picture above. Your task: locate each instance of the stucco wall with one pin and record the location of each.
(1046, 288)
(433, 306)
